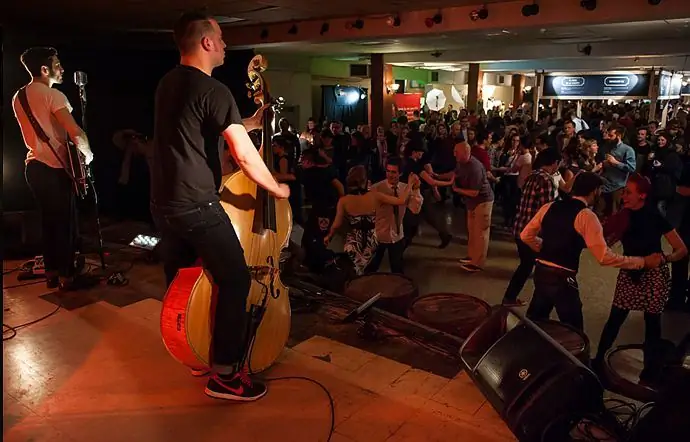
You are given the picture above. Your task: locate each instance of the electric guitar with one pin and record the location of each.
(76, 169)
(80, 171)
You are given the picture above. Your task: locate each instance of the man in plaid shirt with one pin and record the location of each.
(539, 189)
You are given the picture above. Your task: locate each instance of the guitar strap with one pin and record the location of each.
(40, 133)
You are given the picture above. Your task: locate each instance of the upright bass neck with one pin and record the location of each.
(269, 204)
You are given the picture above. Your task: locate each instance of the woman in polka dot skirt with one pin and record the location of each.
(640, 228)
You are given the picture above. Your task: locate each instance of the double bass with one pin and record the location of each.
(263, 225)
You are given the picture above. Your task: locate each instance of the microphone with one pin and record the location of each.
(80, 78)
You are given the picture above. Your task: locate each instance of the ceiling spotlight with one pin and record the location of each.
(589, 5)
(435, 20)
(264, 34)
(393, 21)
(530, 10)
(479, 14)
(324, 28)
(357, 24)
(654, 2)
(587, 50)
(292, 30)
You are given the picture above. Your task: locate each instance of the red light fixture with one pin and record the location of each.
(357, 24)
(435, 20)
(393, 21)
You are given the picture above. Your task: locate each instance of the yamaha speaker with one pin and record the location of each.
(530, 379)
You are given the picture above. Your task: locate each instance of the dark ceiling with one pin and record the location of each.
(159, 15)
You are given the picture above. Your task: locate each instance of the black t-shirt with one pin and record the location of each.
(416, 167)
(192, 110)
(318, 186)
(643, 234)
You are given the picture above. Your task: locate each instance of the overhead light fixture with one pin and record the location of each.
(479, 14)
(589, 5)
(324, 28)
(654, 2)
(435, 20)
(530, 10)
(393, 21)
(587, 50)
(264, 34)
(357, 24)
(293, 30)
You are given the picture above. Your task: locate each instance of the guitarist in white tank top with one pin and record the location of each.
(50, 183)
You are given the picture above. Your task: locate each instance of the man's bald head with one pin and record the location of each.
(462, 151)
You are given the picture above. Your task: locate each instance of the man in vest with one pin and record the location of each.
(567, 227)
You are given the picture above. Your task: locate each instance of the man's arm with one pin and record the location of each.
(629, 162)
(529, 234)
(76, 134)
(465, 192)
(588, 226)
(248, 159)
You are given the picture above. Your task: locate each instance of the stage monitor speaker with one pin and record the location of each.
(530, 379)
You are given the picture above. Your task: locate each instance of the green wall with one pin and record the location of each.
(327, 67)
(405, 73)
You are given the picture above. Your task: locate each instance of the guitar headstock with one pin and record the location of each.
(258, 88)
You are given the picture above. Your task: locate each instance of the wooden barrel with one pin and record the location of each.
(622, 368)
(397, 291)
(576, 342)
(454, 313)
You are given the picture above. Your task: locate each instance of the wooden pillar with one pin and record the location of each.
(378, 91)
(474, 82)
(518, 86)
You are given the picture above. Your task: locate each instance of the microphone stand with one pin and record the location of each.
(89, 177)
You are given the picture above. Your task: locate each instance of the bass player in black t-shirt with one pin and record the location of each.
(193, 114)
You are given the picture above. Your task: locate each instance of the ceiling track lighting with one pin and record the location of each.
(589, 5)
(437, 19)
(325, 28)
(293, 30)
(393, 21)
(479, 14)
(654, 2)
(530, 10)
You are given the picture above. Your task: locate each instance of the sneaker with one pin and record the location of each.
(470, 268)
(465, 260)
(199, 373)
(237, 387)
(445, 240)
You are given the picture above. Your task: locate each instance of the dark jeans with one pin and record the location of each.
(395, 257)
(522, 273)
(318, 224)
(204, 231)
(680, 283)
(653, 360)
(510, 199)
(557, 288)
(434, 214)
(54, 194)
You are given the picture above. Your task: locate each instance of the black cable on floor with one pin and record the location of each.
(313, 381)
(304, 378)
(13, 329)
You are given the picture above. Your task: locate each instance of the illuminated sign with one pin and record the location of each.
(670, 85)
(621, 85)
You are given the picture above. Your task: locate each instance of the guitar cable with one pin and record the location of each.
(331, 402)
